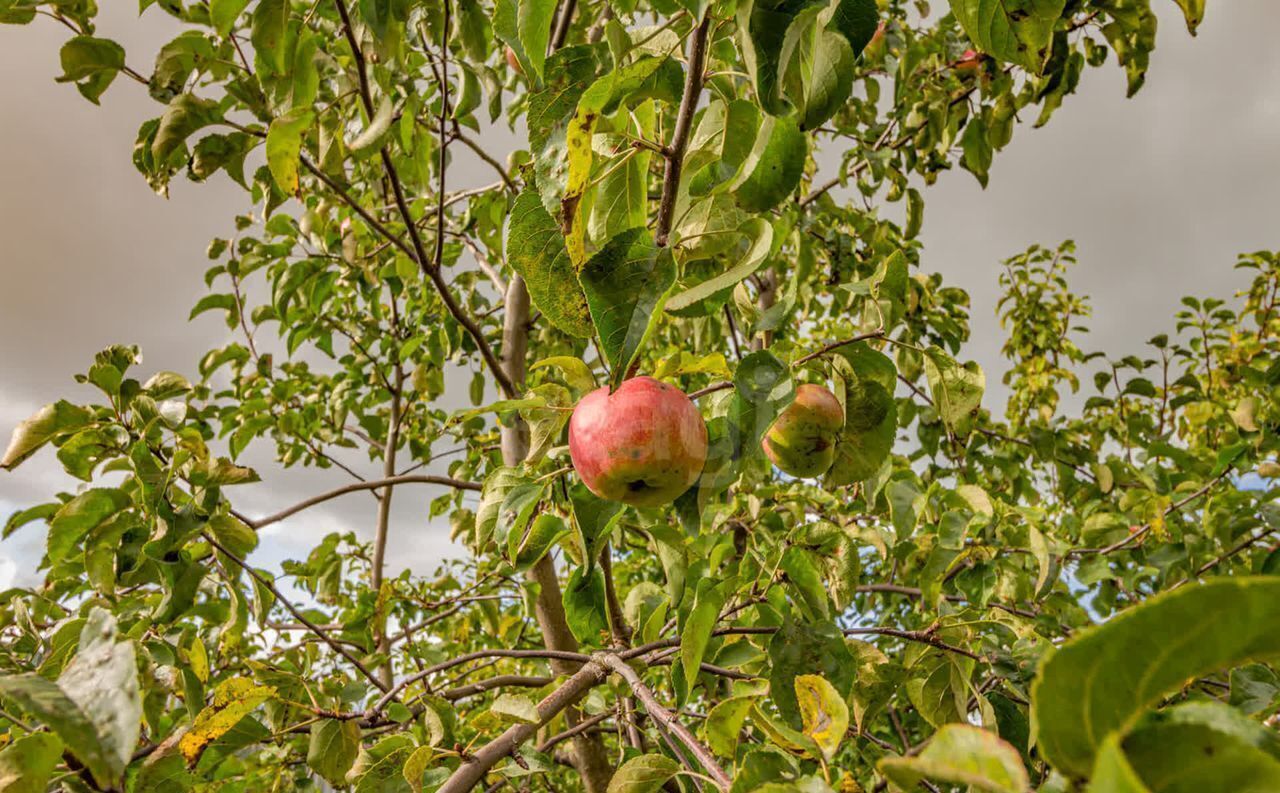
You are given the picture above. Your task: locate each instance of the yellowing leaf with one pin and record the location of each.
(823, 711)
(284, 145)
(602, 97)
(198, 658)
(232, 701)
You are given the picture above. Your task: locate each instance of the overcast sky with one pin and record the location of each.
(1160, 192)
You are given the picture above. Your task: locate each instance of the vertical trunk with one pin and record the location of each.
(767, 297)
(588, 752)
(384, 522)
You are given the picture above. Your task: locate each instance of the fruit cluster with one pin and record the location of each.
(646, 443)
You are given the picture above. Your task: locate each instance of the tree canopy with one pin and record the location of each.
(1076, 591)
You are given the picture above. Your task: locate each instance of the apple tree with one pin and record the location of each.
(1065, 593)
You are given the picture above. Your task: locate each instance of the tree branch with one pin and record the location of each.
(298, 615)
(355, 487)
(383, 528)
(835, 345)
(431, 267)
(395, 690)
(472, 771)
(666, 718)
(680, 137)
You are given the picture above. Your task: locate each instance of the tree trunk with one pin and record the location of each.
(588, 752)
(383, 643)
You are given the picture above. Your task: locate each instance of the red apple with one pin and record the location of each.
(513, 61)
(969, 64)
(802, 440)
(872, 50)
(643, 445)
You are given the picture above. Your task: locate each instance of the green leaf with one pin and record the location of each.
(823, 712)
(1014, 31)
(625, 283)
(334, 746)
(50, 422)
(1201, 747)
(1254, 688)
(644, 774)
(695, 629)
(575, 371)
(546, 421)
(372, 136)
(78, 516)
(543, 533)
(94, 706)
(417, 765)
(957, 389)
(977, 150)
(762, 388)
(284, 147)
(765, 28)
(270, 23)
(1112, 772)
(516, 510)
(176, 62)
(772, 171)
(725, 137)
(584, 605)
(759, 233)
(803, 574)
(27, 763)
(497, 485)
(231, 532)
(380, 16)
(723, 725)
(185, 114)
(857, 21)
(515, 707)
(380, 768)
(621, 197)
(1101, 681)
(870, 426)
(568, 73)
(525, 27)
(819, 77)
(594, 518)
(962, 755)
(603, 97)
(799, 649)
(224, 13)
(92, 64)
(877, 678)
(535, 249)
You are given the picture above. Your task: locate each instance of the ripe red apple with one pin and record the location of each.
(513, 61)
(873, 49)
(643, 445)
(969, 64)
(802, 440)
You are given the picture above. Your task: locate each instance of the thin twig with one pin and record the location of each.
(297, 614)
(666, 718)
(354, 487)
(680, 137)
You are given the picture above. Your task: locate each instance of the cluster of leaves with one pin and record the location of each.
(1006, 604)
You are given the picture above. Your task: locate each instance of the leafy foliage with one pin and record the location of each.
(1076, 593)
